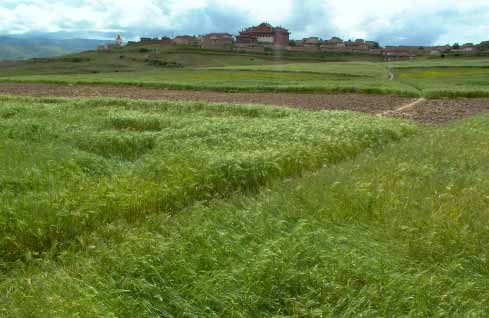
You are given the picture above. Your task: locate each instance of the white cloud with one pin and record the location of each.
(390, 21)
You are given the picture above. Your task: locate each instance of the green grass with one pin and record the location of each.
(448, 81)
(69, 166)
(133, 58)
(441, 63)
(295, 78)
(360, 69)
(399, 231)
(230, 72)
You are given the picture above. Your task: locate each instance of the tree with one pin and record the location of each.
(484, 46)
(456, 46)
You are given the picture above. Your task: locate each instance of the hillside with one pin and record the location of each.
(160, 57)
(12, 48)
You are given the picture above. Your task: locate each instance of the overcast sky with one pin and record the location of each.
(415, 22)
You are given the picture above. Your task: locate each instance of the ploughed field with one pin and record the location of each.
(120, 208)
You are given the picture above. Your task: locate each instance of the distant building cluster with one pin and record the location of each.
(265, 36)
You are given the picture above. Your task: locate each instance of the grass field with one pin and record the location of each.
(69, 166)
(238, 80)
(448, 81)
(358, 69)
(399, 230)
(231, 72)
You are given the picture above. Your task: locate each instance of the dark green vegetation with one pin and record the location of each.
(25, 48)
(398, 231)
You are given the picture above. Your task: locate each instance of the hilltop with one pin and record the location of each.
(16, 48)
(142, 57)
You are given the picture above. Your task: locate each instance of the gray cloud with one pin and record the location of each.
(449, 21)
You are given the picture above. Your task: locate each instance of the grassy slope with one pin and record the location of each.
(212, 70)
(400, 232)
(132, 58)
(12, 48)
(67, 166)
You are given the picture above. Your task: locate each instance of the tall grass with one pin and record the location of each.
(69, 166)
(396, 232)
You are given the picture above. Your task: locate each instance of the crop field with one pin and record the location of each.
(168, 205)
(424, 78)
(448, 81)
(68, 166)
(320, 77)
(118, 208)
(359, 69)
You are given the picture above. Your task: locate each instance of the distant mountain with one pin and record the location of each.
(20, 48)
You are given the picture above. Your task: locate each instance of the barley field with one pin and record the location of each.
(116, 208)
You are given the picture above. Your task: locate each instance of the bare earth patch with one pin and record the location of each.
(439, 111)
(355, 102)
(428, 111)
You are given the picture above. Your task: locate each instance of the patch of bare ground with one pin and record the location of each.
(437, 111)
(440, 111)
(373, 104)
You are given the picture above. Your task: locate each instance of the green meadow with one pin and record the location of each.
(116, 208)
(69, 166)
(132, 208)
(448, 81)
(429, 78)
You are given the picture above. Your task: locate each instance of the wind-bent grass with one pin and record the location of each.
(235, 80)
(69, 166)
(400, 232)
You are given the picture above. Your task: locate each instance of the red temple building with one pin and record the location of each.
(265, 34)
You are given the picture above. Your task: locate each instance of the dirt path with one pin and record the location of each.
(428, 111)
(403, 108)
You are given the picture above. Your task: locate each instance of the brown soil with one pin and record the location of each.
(439, 111)
(427, 111)
(355, 102)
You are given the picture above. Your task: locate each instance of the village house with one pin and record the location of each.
(164, 40)
(468, 47)
(217, 41)
(359, 45)
(306, 45)
(186, 40)
(311, 42)
(333, 44)
(443, 49)
(397, 54)
(265, 34)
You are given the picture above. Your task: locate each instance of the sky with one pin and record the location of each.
(390, 22)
